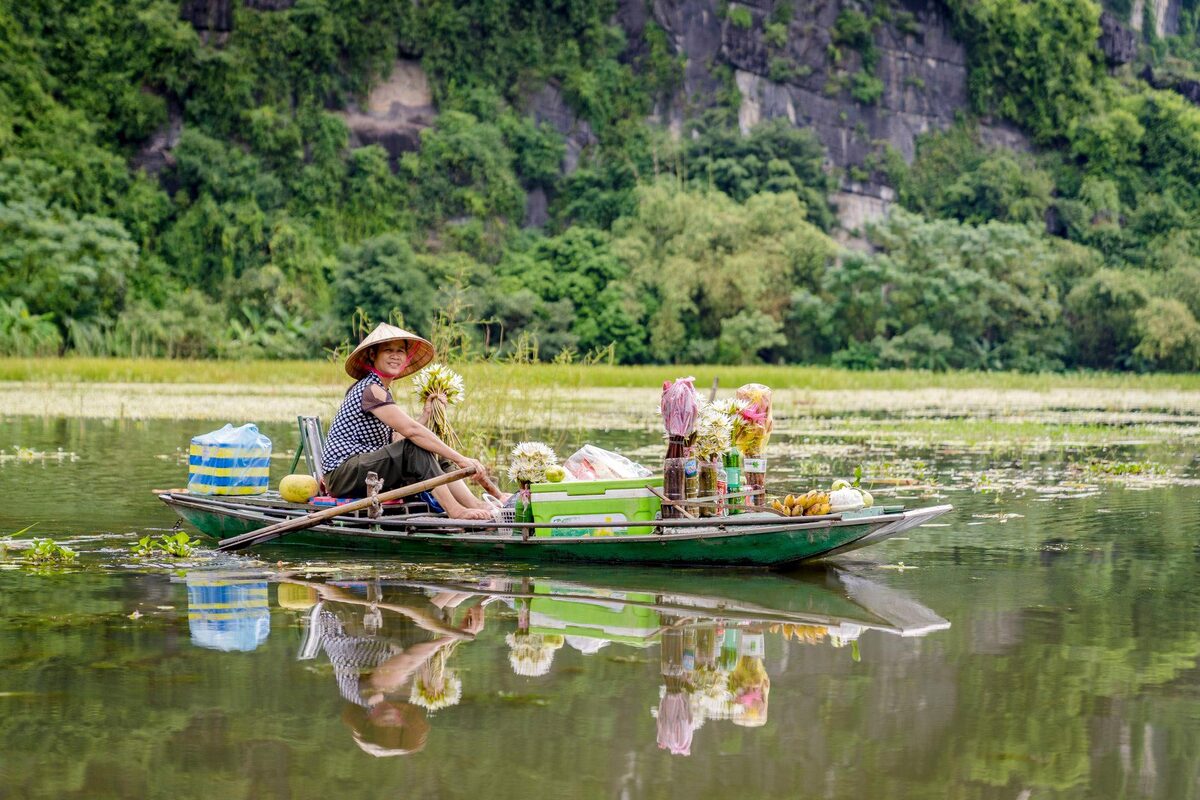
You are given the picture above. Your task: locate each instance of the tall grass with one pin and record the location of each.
(565, 376)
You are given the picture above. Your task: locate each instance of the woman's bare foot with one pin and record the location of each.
(462, 512)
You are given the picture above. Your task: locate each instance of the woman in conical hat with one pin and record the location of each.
(370, 433)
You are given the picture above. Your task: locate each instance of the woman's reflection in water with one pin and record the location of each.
(378, 659)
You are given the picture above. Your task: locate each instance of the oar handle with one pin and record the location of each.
(300, 523)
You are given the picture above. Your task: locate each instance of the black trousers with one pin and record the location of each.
(399, 464)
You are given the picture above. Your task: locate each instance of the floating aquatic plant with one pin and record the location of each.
(177, 545)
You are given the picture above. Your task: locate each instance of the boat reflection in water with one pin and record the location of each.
(391, 639)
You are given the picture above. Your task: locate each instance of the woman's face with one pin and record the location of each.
(391, 358)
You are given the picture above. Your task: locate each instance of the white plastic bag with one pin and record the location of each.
(591, 463)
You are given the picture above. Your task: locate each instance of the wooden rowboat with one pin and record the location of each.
(745, 540)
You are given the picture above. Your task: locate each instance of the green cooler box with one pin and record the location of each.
(596, 502)
(605, 615)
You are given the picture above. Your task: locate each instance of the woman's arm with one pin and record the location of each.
(422, 437)
(392, 416)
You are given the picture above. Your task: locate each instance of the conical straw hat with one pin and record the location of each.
(420, 350)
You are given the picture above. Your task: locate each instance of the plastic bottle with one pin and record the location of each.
(722, 486)
(733, 479)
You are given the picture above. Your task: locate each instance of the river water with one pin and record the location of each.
(1042, 641)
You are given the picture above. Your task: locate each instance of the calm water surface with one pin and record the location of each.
(1042, 643)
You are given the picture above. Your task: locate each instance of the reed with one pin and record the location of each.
(567, 376)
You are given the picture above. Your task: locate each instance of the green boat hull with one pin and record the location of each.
(774, 545)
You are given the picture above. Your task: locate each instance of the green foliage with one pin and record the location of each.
(383, 279)
(954, 175)
(267, 226)
(776, 35)
(741, 18)
(175, 545)
(774, 157)
(944, 295)
(56, 261)
(25, 334)
(854, 30)
(48, 551)
(464, 169)
(662, 67)
(697, 258)
(866, 88)
(1168, 336)
(1103, 315)
(1032, 61)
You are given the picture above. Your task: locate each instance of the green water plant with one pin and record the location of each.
(48, 551)
(176, 545)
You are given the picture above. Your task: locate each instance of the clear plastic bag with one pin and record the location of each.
(591, 463)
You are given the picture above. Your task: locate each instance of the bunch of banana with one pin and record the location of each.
(809, 634)
(808, 504)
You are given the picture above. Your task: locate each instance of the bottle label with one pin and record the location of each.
(733, 478)
(753, 645)
(755, 465)
(691, 467)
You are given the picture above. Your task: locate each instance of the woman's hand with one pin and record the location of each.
(480, 471)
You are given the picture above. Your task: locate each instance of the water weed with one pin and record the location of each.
(176, 545)
(48, 552)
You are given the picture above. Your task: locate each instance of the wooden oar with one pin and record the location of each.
(300, 523)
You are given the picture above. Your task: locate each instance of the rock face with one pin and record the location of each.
(395, 113)
(917, 83)
(1118, 42)
(1185, 86)
(208, 16)
(1163, 14)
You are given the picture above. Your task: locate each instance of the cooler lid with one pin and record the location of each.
(583, 488)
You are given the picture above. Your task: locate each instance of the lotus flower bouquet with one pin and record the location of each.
(437, 387)
(674, 722)
(753, 423)
(528, 462)
(679, 406)
(714, 430)
(434, 686)
(751, 431)
(531, 654)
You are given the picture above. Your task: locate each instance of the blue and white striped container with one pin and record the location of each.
(230, 461)
(227, 613)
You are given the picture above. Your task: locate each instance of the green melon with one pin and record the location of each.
(298, 488)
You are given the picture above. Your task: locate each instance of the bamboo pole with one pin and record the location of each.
(300, 523)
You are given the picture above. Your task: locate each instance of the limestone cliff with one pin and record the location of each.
(862, 76)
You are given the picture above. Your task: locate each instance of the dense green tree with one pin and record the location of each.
(1102, 313)
(697, 258)
(774, 157)
(383, 279)
(945, 294)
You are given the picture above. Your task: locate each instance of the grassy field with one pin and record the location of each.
(566, 376)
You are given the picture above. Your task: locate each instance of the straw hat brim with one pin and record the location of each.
(420, 350)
